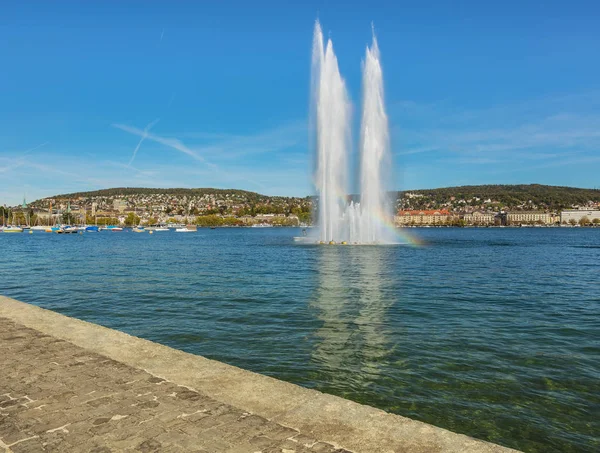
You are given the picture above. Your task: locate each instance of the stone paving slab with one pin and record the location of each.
(58, 397)
(70, 386)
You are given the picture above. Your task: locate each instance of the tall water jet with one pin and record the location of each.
(361, 222)
(374, 152)
(331, 120)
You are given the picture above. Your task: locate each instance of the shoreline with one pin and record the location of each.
(326, 419)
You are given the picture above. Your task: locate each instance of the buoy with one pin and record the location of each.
(321, 242)
(150, 231)
(344, 243)
(30, 232)
(331, 242)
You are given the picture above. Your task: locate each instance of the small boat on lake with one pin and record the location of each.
(92, 229)
(139, 229)
(12, 229)
(66, 229)
(187, 229)
(262, 225)
(113, 228)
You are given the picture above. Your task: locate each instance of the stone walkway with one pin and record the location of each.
(58, 397)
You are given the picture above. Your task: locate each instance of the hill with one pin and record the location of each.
(134, 191)
(521, 196)
(461, 198)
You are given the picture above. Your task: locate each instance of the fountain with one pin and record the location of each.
(339, 221)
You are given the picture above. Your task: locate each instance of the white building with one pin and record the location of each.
(518, 217)
(480, 218)
(578, 214)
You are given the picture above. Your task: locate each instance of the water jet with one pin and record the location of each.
(364, 221)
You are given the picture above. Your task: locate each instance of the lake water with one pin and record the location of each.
(494, 333)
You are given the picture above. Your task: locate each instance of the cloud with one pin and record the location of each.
(35, 148)
(129, 167)
(236, 146)
(144, 136)
(172, 143)
(540, 130)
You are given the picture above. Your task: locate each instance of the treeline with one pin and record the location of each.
(552, 197)
(511, 196)
(179, 192)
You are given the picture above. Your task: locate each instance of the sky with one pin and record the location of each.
(215, 93)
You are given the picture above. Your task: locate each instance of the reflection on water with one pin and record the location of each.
(353, 341)
(487, 332)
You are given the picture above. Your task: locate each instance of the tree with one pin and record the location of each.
(107, 221)
(209, 220)
(572, 222)
(584, 221)
(305, 217)
(132, 219)
(596, 221)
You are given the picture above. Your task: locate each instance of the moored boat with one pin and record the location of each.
(262, 225)
(12, 229)
(187, 229)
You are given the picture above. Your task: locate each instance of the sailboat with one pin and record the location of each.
(38, 226)
(27, 219)
(11, 228)
(188, 228)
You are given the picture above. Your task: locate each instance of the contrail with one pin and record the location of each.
(170, 142)
(34, 148)
(144, 136)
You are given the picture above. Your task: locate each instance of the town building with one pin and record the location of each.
(119, 205)
(576, 215)
(423, 217)
(529, 217)
(480, 218)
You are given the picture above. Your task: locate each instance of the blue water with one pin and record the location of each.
(494, 333)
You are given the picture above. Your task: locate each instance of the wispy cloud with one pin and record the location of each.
(35, 148)
(130, 167)
(162, 34)
(172, 143)
(143, 137)
(544, 130)
(236, 146)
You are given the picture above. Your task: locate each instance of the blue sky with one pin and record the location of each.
(477, 92)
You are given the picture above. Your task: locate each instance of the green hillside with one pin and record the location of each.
(512, 196)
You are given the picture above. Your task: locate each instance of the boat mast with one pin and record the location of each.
(25, 213)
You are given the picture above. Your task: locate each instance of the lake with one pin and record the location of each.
(490, 332)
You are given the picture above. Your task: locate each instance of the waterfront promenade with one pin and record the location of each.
(68, 385)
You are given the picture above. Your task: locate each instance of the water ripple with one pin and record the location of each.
(489, 332)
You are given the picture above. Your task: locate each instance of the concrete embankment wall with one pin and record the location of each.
(344, 423)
